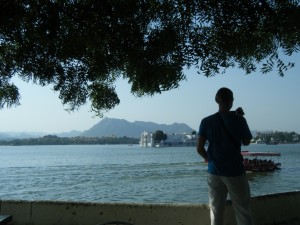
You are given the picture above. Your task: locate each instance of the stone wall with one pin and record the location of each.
(267, 210)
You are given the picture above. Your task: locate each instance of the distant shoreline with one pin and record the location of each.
(54, 140)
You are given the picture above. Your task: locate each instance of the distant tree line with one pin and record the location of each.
(281, 137)
(159, 136)
(55, 140)
(277, 136)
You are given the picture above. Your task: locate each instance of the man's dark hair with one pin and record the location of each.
(225, 94)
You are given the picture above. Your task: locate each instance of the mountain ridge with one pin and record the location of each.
(107, 127)
(121, 127)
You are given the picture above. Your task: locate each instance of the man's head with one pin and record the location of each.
(224, 98)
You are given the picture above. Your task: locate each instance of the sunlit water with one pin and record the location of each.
(122, 173)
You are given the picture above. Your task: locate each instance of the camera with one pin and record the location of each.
(239, 111)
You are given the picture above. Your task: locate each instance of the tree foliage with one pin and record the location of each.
(82, 46)
(159, 136)
(54, 140)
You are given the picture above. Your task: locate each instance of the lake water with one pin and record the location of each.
(122, 173)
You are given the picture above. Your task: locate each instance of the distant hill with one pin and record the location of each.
(108, 127)
(120, 127)
(19, 135)
(73, 133)
(26, 135)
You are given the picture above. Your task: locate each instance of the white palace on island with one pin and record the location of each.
(173, 140)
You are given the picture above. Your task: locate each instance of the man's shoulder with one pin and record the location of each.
(233, 116)
(209, 118)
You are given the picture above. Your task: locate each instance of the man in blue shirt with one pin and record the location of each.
(225, 131)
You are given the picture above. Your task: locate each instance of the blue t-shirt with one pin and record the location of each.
(224, 156)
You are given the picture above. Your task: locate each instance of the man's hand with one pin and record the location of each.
(239, 111)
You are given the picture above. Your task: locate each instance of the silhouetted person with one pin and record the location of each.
(225, 131)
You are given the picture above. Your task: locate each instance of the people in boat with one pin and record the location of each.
(260, 164)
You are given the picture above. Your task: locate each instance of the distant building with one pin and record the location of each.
(295, 138)
(146, 140)
(174, 140)
(260, 141)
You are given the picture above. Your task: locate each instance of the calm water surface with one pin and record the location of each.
(122, 173)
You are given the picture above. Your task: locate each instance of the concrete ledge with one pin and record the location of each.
(277, 208)
(5, 219)
(272, 209)
(267, 210)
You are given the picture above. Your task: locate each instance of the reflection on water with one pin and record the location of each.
(126, 173)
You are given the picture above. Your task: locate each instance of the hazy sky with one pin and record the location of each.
(270, 102)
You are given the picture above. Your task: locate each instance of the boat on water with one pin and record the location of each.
(260, 141)
(272, 142)
(260, 161)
